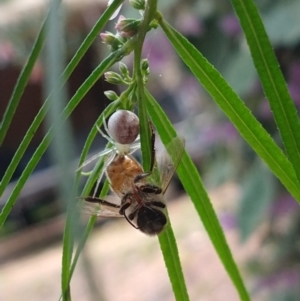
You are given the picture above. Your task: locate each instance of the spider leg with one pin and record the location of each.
(107, 162)
(105, 136)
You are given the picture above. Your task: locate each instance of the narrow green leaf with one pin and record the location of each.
(91, 181)
(91, 37)
(172, 261)
(193, 185)
(83, 89)
(86, 233)
(247, 125)
(68, 243)
(272, 80)
(72, 214)
(62, 145)
(42, 112)
(67, 271)
(21, 83)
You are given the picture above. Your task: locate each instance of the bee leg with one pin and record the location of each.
(146, 174)
(149, 188)
(123, 208)
(158, 204)
(91, 199)
(131, 215)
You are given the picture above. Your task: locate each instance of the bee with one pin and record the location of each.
(139, 194)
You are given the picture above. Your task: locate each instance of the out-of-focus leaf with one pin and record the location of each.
(284, 295)
(258, 191)
(283, 24)
(239, 71)
(220, 170)
(272, 80)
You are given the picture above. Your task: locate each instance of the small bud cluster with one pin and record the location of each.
(145, 69)
(114, 41)
(124, 77)
(138, 4)
(111, 95)
(116, 78)
(127, 28)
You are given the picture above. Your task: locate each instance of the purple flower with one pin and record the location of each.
(159, 57)
(294, 82)
(7, 52)
(189, 24)
(287, 278)
(230, 25)
(228, 220)
(285, 204)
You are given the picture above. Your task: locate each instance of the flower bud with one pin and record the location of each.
(137, 4)
(110, 39)
(127, 27)
(145, 65)
(111, 95)
(153, 24)
(145, 70)
(113, 78)
(124, 71)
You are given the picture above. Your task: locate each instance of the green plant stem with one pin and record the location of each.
(167, 240)
(149, 14)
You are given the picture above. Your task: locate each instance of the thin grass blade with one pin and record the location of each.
(170, 253)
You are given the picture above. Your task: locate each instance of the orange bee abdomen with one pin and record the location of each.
(121, 173)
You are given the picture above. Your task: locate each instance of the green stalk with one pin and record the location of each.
(149, 14)
(167, 239)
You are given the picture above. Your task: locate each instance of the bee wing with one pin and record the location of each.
(168, 160)
(106, 207)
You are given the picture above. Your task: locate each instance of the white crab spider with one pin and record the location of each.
(116, 148)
